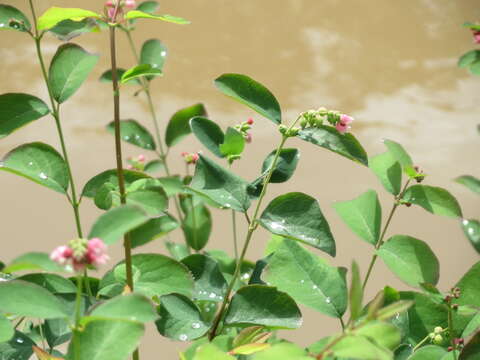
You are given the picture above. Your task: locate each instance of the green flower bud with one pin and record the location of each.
(438, 339)
(282, 128)
(438, 330)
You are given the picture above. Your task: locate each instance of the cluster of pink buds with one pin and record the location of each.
(316, 118)
(190, 158)
(476, 36)
(458, 344)
(137, 163)
(81, 253)
(343, 124)
(115, 7)
(243, 129)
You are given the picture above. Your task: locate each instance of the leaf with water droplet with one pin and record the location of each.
(153, 229)
(40, 163)
(197, 224)
(139, 71)
(471, 228)
(153, 52)
(13, 19)
(179, 124)
(180, 318)
(209, 134)
(435, 200)
(133, 307)
(134, 133)
(18, 347)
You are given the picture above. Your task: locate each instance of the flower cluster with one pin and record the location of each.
(190, 158)
(81, 253)
(315, 118)
(243, 129)
(137, 163)
(115, 7)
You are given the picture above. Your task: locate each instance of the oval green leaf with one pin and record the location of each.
(40, 163)
(471, 182)
(469, 286)
(208, 133)
(429, 352)
(153, 229)
(13, 19)
(398, 153)
(178, 126)
(154, 53)
(94, 185)
(106, 77)
(56, 284)
(69, 29)
(435, 200)
(134, 307)
(471, 228)
(196, 225)
(33, 261)
(469, 58)
(19, 347)
(388, 171)
(134, 133)
(142, 70)
(233, 143)
(6, 329)
(54, 15)
(136, 14)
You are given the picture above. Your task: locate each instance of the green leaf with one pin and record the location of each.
(263, 305)
(106, 339)
(250, 93)
(356, 293)
(113, 224)
(172, 185)
(469, 286)
(132, 307)
(475, 68)
(361, 348)
(106, 77)
(69, 29)
(249, 349)
(471, 228)
(134, 133)
(286, 164)
(233, 143)
(329, 138)
(69, 68)
(6, 329)
(411, 260)
(142, 70)
(154, 166)
(471, 182)
(13, 19)
(309, 279)
(472, 326)
(382, 333)
(210, 352)
(158, 275)
(403, 352)
(177, 251)
(148, 6)
(220, 185)
(153, 53)
(196, 225)
(33, 261)
(210, 284)
(388, 170)
(363, 215)
(54, 15)
(16, 298)
(152, 201)
(178, 126)
(153, 229)
(136, 14)
(298, 216)
(398, 153)
(19, 347)
(393, 309)
(208, 133)
(471, 351)
(180, 318)
(469, 58)
(40, 163)
(435, 200)
(110, 176)
(429, 352)
(56, 284)
(18, 110)
(283, 351)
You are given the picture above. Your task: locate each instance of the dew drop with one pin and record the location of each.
(19, 340)
(183, 337)
(227, 205)
(30, 163)
(43, 176)
(245, 276)
(465, 222)
(328, 300)
(314, 287)
(212, 295)
(196, 325)
(471, 231)
(397, 316)
(302, 281)
(163, 53)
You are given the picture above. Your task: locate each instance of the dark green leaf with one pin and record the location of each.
(33, 261)
(112, 225)
(429, 352)
(309, 279)
(356, 293)
(54, 283)
(134, 133)
(106, 77)
(18, 110)
(298, 216)
(69, 68)
(220, 185)
(153, 53)
(210, 284)
(178, 126)
(251, 93)
(363, 215)
(19, 347)
(263, 305)
(208, 133)
(13, 19)
(6, 329)
(16, 298)
(403, 352)
(180, 318)
(472, 326)
(196, 225)
(388, 171)
(136, 14)
(286, 164)
(471, 228)
(68, 29)
(55, 15)
(470, 182)
(132, 307)
(138, 71)
(398, 153)
(469, 286)
(411, 260)
(148, 6)
(435, 200)
(40, 163)
(110, 176)
(153, 229)
(233, 144)
(469, 58)
(329, 138)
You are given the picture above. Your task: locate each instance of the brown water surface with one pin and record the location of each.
(391, 64)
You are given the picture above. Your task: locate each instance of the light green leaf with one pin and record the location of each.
(398, 153)
(363, 215)
(177, 251)
(69, 29)
(283, 351)
(178, 126)
(263, 305)
(381, 333)
(153, 229)
(361, 348)
(249, 349)
(153, 200)
(208, 133)
(388, 170)
(469, 58)
(18, 110)
(69, 68)
(148, 6)
(113, 224)
(356, 293)
(471, 228)
(140, 71)
(429, 352)
(329, 138)
(472, 326)
(6, 329)
(106, 77)
(220, 185)
(298, 216)
(40, 163)
(54, 15)
(309, 279)
(435, 200)
(19, 347)
(469, 286)
(110, 176)
(411, 260)
(33, 261)
(106, 339)
(153, 53)
(210, 352)
(250, 93)
(136, 14)
(197, 224)
(132, 307)
(154, 166)
(16, 298)
(56, 284)
(471, 182)
(233, 143)
(134, 133)
(13, 19)
(180, 318)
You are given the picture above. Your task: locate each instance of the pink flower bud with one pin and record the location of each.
(61, 254)
(109, 3)
(141, 158)
(96, 252)
(130, 4)
(345, 119)
(195, 158)
(248, 138)
(250, 121)
(476, 36)
(111, 13)
(183, 154)
(342, 125)
(130, 167)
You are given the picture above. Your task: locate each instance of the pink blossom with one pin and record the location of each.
(111, 12)
(195, 158)
(96, 252)
(342, 125)
(250, 121)
(109, 3)
(130, 167)
(248, 137)
(61, 254)
(476, 36)
(141, 158)
(130, 4)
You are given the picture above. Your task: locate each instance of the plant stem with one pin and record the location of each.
(384, 231)
(251, 228)
(78, 315)
(451, 335)
(234, 228)
(118, 151)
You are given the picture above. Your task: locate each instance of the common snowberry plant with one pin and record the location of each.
(52, 306)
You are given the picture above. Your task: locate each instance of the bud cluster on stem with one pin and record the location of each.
(316, 118)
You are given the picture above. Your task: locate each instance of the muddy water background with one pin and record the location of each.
(391, 64)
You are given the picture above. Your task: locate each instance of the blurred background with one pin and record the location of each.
(390, 64)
